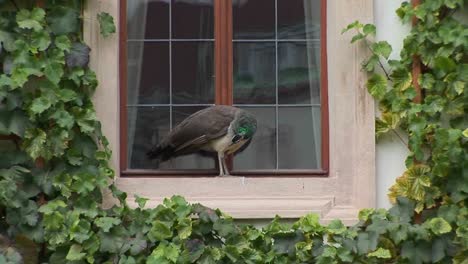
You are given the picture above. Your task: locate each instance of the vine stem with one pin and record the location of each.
(401, 139)
(378, 59)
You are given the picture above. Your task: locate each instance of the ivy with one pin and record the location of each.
(55, 160)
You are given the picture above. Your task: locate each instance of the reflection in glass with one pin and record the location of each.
(254, 73)
(148, 19)
(299, 137)
(254, 19)
(299, 72)
(192, 73)
(298, 19)
(192, 19)
(148, 73)
(146, 126)
(261, 153)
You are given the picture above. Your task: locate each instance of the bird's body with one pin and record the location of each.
(219, 129)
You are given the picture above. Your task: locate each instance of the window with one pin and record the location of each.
(266, 56)
(350, 184)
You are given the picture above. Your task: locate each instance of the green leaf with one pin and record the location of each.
(355, 25)
(20, 75)
(184, 228)
(31, 19)
(75, 253)
(40, 40)
(141, 201)
(370, 64)
(309, 223)
(63, 20)
(459, 87)
(380, 253)
(336, 227)
(63, 119)
(160, 230)
(78, 55)
(106, 24)
(13, 122)
(35, 142)
(106, 223)
(439, 226)
(465, 133)
(377, 85)
(52, 206)
(444, 66)
(369, 29)
(387, 122)
(382, 48)
(402, 79)
(86, 119)
(7, 41)
(40, 105)
(364, 214)
(416, 253)
(403, 210)
(54, 72)
(357, 37)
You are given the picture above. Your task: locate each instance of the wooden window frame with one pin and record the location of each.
(223, 50)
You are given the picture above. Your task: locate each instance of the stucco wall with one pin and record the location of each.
(390, 150)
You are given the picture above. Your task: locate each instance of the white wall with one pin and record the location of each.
(391, 151)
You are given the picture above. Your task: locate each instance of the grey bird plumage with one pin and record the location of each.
(219, 129)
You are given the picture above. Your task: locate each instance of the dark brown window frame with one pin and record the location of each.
(223, 95)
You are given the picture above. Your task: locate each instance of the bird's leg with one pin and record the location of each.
(226, 171)
(220, 161)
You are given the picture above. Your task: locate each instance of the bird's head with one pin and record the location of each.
(246, 125)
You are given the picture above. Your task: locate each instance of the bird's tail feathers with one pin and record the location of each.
(161, 152)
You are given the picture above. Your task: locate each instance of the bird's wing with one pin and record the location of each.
(200, 128)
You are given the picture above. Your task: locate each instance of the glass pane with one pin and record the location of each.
(146, 127)
(261, 153)
(253, 19)
(192, 73)
(298, 19)
(148, 73)
(299, 72)
(299, 137)
(254, 73)
(192, 19)
(193, 161)
(148, 19)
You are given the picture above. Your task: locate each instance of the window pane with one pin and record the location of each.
(253, 19)
(192, 73)
(192, 19)
(299, 137)
(261, 153)
(299, 72)
(146, 127)
(298, 19)
(254, 73)
(148, 19)
(148, 73)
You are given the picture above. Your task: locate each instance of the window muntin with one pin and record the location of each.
(276, 72)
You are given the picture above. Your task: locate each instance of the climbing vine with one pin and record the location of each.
(54, 159)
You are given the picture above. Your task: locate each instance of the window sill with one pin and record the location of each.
(248, 197)
(214, 173)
